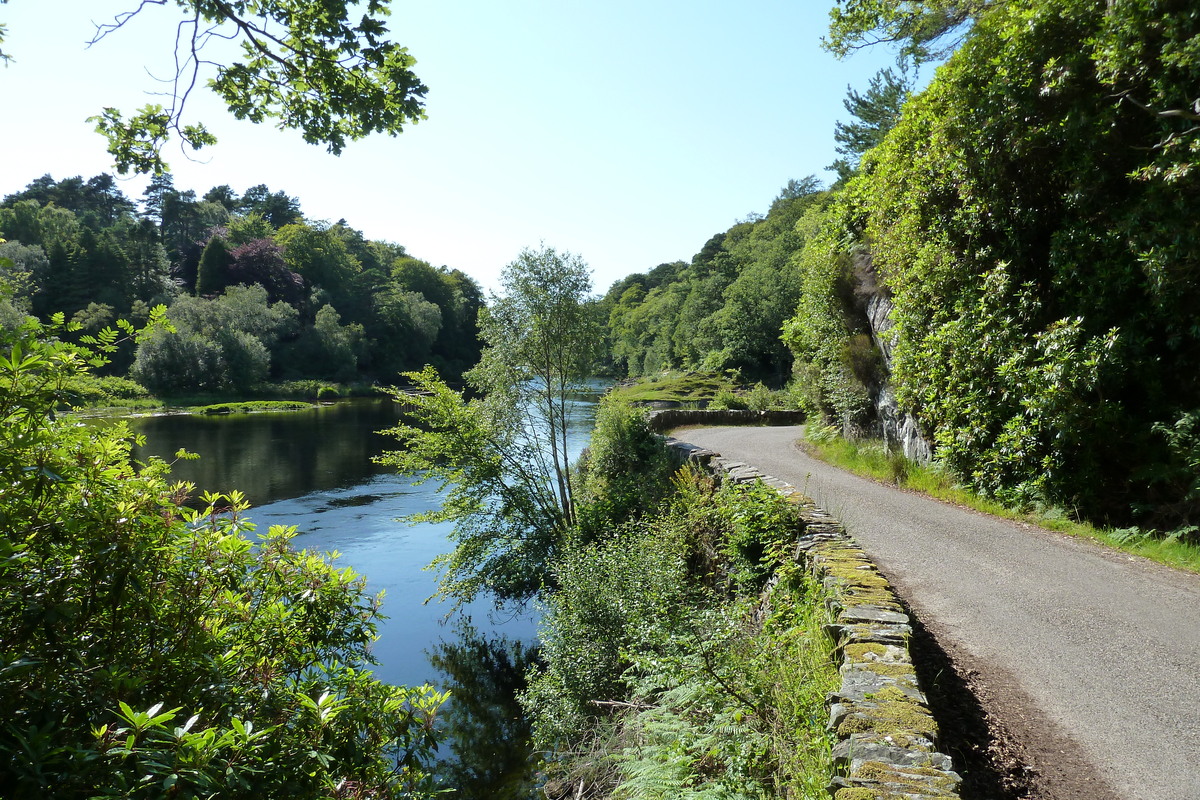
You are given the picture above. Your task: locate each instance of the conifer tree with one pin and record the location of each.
(213, 274)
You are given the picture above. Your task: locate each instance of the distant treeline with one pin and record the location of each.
(256, 292)
(1024, 234)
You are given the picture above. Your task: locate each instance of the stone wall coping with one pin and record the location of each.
(887, 739)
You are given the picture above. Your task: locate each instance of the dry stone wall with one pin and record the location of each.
(887, 739)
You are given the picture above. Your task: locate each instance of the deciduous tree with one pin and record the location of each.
(306, 64)
(502, 456)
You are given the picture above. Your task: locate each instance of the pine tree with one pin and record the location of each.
(876, 112)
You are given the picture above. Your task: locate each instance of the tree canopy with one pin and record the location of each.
(325, 68)
(1016, 258)
(81, 247)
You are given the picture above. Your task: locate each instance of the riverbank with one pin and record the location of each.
(92, 394)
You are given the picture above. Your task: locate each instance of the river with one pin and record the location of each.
(313, 469)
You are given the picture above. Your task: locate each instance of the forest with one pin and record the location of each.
(256, 294)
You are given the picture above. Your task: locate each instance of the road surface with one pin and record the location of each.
(1090, 658)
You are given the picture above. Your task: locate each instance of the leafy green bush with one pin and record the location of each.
(660, 681)
(149, 650)
(760, 398)
(760, 523)
(1177, 477)
(94, 390)
(625, 469)
(1032, 229)
(726, 399)
(309, 389)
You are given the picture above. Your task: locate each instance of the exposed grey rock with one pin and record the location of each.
(837, 713)
(860, 685)
(852, 753)
(872, 614)
(895, 425)
(892, 654)
(874, 634)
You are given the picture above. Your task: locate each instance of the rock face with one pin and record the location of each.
(887, 746)
(896, 426)
(899, 428)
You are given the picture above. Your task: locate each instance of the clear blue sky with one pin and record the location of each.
(627, 132)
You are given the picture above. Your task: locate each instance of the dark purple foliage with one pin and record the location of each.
(261, 261)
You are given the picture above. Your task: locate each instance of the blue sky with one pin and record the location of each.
(626, 132)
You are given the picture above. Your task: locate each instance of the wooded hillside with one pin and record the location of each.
(1024, 238)
(255, 291)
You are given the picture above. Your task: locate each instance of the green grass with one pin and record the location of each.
(872, 460)
(251, 407)
(689, 388)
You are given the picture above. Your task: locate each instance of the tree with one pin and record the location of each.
(148, 267)
(275, 207)
(260, 261)
(926, 30)
(328, 350)
(320, 257)
(213, 274)
(541, 343)
(1033, 230)
(876, 112)
(99, 202)
(249, 227)
(503, 455)
(20, 265)
(154, 197)
(218, 344)
(304, 63)
(224, 195)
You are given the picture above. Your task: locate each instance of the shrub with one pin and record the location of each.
(626, 469)
(658, 682)
(727, 400)
(93, 390)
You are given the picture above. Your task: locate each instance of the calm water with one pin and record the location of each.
(313, 469)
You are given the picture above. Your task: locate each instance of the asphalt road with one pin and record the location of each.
(1089, 658)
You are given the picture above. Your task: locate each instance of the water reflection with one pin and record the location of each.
(273, 456)
(489, 737)
(392, 555)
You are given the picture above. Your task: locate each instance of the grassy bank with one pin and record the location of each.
(871, 459)
(696, 389)
(701, 390)
(251, 407)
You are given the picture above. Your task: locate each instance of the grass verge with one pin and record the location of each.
(871, 459)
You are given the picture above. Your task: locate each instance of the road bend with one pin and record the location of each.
(1089, 657)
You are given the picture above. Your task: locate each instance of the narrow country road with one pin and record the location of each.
(1089, 658)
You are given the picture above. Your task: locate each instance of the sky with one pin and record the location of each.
(626, 132)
